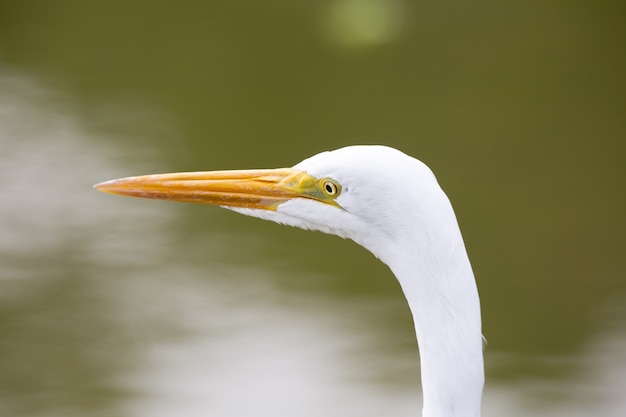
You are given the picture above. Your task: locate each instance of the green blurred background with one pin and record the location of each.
(123, 307)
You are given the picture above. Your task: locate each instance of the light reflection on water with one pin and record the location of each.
(260, 359)
(99, 316)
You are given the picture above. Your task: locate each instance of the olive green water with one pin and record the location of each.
(113, 306)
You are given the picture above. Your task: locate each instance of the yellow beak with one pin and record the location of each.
(260, 189)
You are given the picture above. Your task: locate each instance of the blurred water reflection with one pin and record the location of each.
(56, 352)
(104, 310)
(113, 306)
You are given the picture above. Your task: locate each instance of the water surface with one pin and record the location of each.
(116, 306)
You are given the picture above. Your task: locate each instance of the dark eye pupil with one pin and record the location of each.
(329, 188)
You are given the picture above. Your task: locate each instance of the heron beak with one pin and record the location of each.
(259, 189)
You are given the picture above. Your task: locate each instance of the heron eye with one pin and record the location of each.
(330, 188)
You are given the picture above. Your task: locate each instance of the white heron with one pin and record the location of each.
(391, 204)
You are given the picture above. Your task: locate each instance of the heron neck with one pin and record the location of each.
(441, 291)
